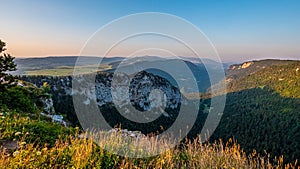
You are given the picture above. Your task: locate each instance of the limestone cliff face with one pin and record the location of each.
(145, 91)
(47, 103)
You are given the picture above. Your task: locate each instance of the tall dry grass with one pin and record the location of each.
(84, 153)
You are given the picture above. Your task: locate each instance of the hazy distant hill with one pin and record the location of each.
(199, 73)
(52, 61)
(28, 65)
(63, 66)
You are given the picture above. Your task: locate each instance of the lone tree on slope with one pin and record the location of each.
(7, 62)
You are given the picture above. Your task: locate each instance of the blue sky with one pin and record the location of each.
(240, 30)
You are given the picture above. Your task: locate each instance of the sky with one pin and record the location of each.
(239, 29)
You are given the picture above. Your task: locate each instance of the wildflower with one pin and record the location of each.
(45, 84)
(17, 133)
(22, 143)
(16, 153)
(38, 153)
(1, 114)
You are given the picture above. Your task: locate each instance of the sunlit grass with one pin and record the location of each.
(44, 144)
(84, 153)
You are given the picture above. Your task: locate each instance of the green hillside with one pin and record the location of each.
(239, 70)
(283, 79)
(263, 120)
(262, 109)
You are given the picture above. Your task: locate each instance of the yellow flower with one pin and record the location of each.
(16, 153)
(23, 143)
(38, 153)
(45, 84)
(17, 133)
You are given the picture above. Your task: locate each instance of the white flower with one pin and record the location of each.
(1, 114)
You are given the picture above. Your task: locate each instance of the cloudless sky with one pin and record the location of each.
(239, 29)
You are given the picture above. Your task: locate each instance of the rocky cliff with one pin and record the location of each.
(140, 92)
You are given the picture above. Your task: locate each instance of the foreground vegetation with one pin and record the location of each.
(70, 151)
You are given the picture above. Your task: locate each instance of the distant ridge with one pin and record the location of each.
(61, 66)
(282, 76)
